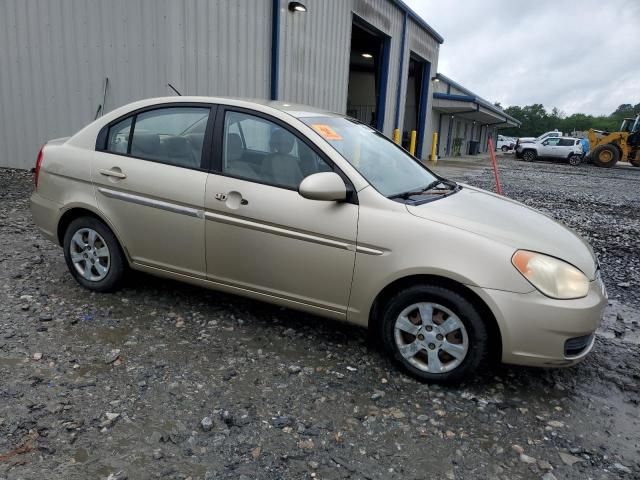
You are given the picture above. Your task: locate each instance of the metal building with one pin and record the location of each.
(373, 59)
(464, 121)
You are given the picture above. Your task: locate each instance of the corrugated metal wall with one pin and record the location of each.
(314, 52)
(314, 55)
(55, 55)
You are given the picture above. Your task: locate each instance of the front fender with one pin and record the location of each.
(416, 246)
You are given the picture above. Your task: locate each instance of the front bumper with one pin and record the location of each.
(535, 329)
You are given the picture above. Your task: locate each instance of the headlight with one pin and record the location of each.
(554, 278)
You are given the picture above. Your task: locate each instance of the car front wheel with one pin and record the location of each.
(434, 333)
(529, 156)
(93, 255)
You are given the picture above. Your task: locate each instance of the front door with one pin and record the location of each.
(549, 147)
(150, 186)
(261, 235)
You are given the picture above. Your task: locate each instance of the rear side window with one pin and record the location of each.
(173, 135)
(119, 136)
(170, 135)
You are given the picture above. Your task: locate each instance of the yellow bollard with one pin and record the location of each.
(412, 144)
(396, 136)
(434, 146)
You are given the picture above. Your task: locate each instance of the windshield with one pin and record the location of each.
(386, 166)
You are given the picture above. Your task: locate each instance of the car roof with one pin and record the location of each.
(293, 109)
(563, 138)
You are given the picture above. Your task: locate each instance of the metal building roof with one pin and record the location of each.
(471, 97)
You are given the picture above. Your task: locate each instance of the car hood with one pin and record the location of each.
(510, 223)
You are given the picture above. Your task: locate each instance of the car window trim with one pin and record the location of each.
(205, 158)
(218, 148)
(132, 128)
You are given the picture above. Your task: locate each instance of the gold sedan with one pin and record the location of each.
(315, 211)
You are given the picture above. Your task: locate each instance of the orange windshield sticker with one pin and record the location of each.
(326, 131)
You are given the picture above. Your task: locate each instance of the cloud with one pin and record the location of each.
(579, 56)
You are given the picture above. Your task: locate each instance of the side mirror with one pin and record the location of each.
(327, 186)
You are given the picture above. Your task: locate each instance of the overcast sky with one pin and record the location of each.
(579, 56)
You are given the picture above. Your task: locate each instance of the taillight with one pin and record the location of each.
(38, 164)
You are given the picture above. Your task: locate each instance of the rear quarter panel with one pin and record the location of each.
(65, 179)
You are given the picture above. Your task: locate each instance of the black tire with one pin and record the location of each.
(117, 262)
(504, 148)
(529, 155)
(478, 337)
(575, 160)
(605, 156)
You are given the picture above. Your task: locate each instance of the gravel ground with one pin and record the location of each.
(165, 380)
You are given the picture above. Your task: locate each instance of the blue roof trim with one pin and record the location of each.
(418, 19)
(474, 98)
(451, 96)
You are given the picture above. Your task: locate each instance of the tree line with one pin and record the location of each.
(537, 120)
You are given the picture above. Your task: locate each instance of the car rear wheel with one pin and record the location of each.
(575, 160)
(434, 333)
(605, 156)
(528, 155)
(93, 255)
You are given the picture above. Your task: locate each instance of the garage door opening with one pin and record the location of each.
(368, 68)
(416, 101)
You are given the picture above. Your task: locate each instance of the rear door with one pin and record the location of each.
(261, 235)
(150, 174)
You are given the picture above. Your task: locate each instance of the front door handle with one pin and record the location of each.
(232, 199)
(114, 172)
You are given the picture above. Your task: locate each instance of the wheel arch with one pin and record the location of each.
(495, 335)
(77, 211)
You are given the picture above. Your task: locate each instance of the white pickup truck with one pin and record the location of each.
(541, 138)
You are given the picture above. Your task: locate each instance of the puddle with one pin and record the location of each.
(81, 455)
(621, 322)
(114, 336)
(11, 361)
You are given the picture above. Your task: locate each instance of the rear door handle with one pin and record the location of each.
(114, 172)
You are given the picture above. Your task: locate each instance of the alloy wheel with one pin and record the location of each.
(431, 337)
(90, 254)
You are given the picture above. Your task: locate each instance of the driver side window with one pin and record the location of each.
(260, 150)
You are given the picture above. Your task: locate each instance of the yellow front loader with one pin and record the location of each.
(609, 147)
